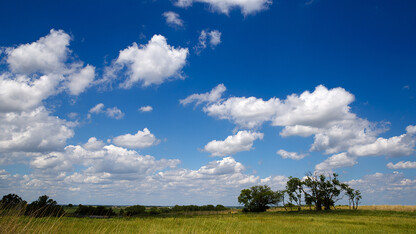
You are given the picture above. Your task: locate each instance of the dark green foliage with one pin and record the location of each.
(135, 210)
(220, 207)
(94, 211)
(12, 201)
(198, 208)
(258, 198)
(154, 211)
(44, 206)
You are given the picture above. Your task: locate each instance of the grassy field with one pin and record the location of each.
(338, 221)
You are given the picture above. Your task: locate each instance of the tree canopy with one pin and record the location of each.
(258, 198)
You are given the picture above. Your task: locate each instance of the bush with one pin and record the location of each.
(154, 211)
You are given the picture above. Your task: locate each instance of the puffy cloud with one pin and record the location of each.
(210, 97)
(379, 188)
(173, 19)
(19, 92)
(314, 109)
(324, 114)
(46, 55)
(336, 161)
(109, 160)
(110, 169)
(402, 145)
(97, 108)
(78, 82)
(142, 139)
(113, 112)
(149, 64)
(93, 144)
(146, 109)
(291, 155)
(242, 141)
(224, 6)
(227, 165)
(213, 36)
(33, 131)
(246, 112)
(402, 165)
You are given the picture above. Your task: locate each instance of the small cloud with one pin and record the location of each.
(97, 108)
(172, 19)
(310, 2)
(146, 109)
(113, 112)
(73, 189)
(72, 115)
(291, 155)
(142, 139)
(213, 37)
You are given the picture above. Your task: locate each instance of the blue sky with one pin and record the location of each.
(188, 102)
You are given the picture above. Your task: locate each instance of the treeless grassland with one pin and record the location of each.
(335, 221)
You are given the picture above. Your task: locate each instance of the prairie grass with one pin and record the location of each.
(390, 208)
(336, 221)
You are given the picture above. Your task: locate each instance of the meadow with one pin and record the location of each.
(277, 221)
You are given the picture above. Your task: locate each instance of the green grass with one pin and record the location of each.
(339, 221)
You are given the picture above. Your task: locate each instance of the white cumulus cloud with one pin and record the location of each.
(150, 64)
(402, 165)
(336, 161)
(46, 55)
(402, 145)
(142, 139)
(242, 141)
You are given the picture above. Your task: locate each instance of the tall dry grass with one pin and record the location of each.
(389, 208)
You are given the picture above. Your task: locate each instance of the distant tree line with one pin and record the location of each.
(141, 210)
(94, 211)
(45, 206)
(319, 191)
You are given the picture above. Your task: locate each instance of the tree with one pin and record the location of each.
(294, 190)
(354, 197)
(12, 201)
(44, 206)
(323, 191)
(258, 198)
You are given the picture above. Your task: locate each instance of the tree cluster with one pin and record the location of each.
(319, 191)
(42, 207)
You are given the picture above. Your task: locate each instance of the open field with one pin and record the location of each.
(345, 221)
